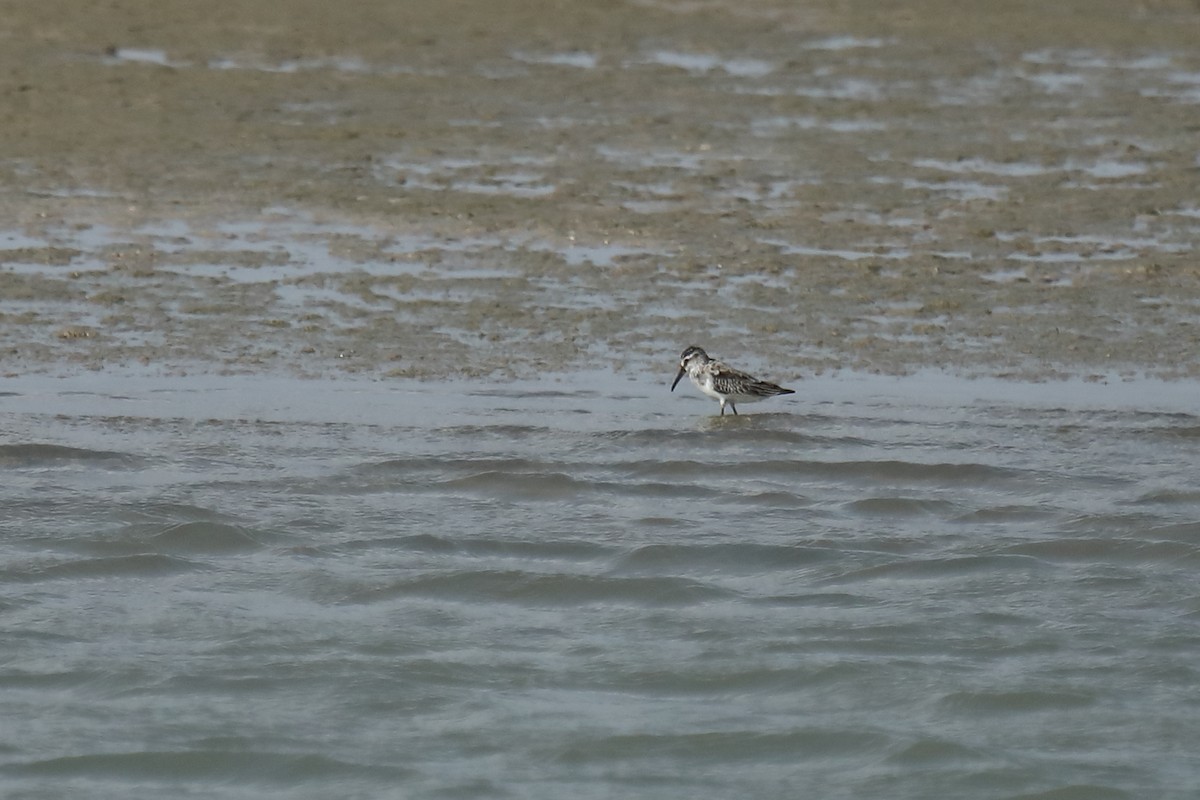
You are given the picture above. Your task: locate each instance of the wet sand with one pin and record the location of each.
(477, 189)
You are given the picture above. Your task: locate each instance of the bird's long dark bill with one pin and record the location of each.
(678, 377)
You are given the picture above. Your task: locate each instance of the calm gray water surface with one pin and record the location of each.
(588, 587)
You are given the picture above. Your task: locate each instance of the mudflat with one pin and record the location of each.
(476, 188)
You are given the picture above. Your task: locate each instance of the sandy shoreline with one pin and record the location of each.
(494, 190)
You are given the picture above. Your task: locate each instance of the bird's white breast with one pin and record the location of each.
(704, 383)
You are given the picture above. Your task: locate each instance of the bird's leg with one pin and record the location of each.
(731, 405)
(722, 408)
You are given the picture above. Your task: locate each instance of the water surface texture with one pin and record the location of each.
(589, 587)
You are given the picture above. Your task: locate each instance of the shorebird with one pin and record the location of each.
(722, 382)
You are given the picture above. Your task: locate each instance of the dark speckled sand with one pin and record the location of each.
(472, 188)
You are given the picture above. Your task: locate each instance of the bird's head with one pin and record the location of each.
(690, 356)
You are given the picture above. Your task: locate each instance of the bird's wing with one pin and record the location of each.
(728, 380)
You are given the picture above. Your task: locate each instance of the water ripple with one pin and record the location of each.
(44, 455)
(554, 590)
(141, 565)
(718, 558)
(217, 766)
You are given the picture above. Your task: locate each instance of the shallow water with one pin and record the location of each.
(588, 587)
